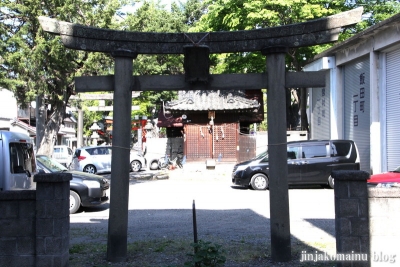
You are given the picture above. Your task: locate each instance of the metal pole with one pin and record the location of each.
(195, 230)
(119, 196)
(80, 128)
(194, 222)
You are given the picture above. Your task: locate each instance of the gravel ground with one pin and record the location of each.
(160, 224)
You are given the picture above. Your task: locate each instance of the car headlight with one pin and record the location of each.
(241, 167)
(91, 184)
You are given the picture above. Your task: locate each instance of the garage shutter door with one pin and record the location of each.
(357, 107)
(392, 109)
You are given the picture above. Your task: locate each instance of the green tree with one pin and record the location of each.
(36, 63)
(192, 10)
(233, 15)
(152, 16)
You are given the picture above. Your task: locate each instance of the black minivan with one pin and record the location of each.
(309, 162)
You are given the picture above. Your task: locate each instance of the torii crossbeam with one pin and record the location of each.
(125, 46)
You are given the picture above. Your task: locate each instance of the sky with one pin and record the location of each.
(132, 9)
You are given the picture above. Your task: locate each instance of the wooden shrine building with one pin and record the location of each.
(214, 124)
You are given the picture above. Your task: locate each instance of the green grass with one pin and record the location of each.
(174, 253)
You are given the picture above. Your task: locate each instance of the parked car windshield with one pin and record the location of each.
(50, 164)
(262, 155)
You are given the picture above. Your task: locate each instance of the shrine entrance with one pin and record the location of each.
(272, 42)
(211, 142)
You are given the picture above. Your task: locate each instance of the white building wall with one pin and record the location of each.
(372, 45)
(325, 64)
(8, 104)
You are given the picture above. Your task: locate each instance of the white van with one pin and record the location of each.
(63, 154)
(17, 161)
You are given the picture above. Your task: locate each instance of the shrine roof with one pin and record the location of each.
(169, 121)
(212, 100)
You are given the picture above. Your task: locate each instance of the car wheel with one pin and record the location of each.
(89, 169)
(136, 166)
(163, 163)
(154, 165)
(74, 202)
(331, 182)
(259, 182)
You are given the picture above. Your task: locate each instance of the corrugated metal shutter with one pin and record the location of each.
(392, 109)
(320, 115)
(357, 107)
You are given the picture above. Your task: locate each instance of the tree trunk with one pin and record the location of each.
(303, 109)
(50, 132)
(292, 109)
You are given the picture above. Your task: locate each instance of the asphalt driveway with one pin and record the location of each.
(163, 209)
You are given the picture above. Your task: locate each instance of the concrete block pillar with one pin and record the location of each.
(52, 219)
(351, 218)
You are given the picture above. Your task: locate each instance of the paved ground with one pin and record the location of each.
(163, 209)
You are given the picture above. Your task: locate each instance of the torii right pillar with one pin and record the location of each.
(277, 150)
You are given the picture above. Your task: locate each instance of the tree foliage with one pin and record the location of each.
(36, 63)
(152, 16)
(233, 15)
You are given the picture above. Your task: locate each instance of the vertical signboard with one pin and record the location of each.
(320, 116)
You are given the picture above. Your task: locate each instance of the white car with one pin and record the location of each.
(97, 159)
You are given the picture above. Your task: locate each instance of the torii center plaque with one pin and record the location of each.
(272, 42)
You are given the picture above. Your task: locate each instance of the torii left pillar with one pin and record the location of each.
(277, 149)
(119, 196)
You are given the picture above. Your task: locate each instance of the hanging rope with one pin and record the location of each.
(198, 43)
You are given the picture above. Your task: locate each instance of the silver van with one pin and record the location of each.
(17, 161)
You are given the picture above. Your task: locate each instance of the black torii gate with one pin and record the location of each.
(272, 42)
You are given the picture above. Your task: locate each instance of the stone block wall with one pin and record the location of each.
(384, 221)
(18, 227)
(35, 223)
(158, 147)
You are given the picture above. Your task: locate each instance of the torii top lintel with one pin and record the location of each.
(319, 31)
